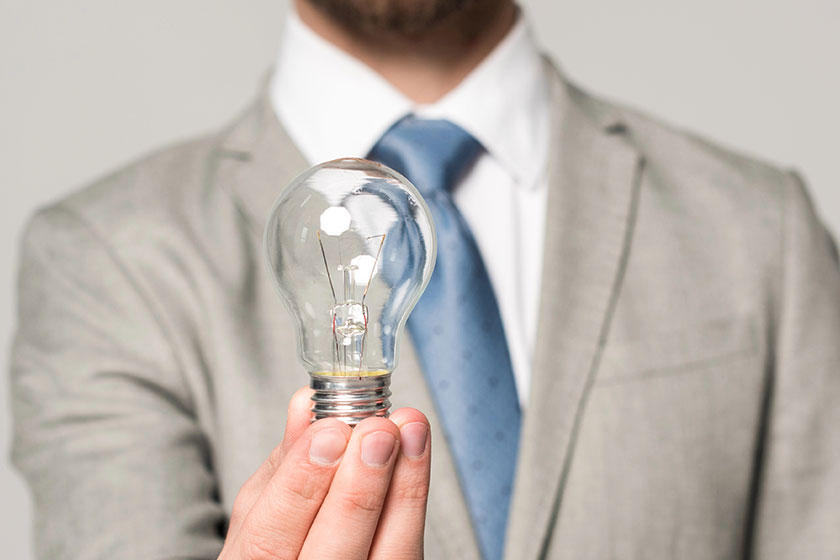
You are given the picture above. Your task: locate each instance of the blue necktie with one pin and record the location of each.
(457, 328)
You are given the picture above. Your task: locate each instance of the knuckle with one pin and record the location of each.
(365, 501)
(412, 493)
(275, 458)
(304, 491)
(241, 504)
(238, 503)
(263, 547)
(305, 494)
(236, 519)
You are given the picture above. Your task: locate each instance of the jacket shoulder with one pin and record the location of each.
(683, 160)
(693, 184)
(151, 188)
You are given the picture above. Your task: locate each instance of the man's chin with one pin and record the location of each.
(404, 17)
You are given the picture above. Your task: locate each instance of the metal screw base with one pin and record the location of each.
(350, 399)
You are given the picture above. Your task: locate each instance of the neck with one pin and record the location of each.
(424, 68)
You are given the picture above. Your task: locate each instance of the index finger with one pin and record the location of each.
(297, 420)
(279, 520)
(346, 523)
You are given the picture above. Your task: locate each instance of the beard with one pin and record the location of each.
(409, 18)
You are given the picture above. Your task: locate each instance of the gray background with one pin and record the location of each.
(86, 86)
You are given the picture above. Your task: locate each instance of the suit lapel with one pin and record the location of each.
(257, 159)
(591, 204)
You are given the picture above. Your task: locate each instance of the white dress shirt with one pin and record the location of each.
(333, 106)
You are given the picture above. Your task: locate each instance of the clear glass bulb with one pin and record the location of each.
(351, 245)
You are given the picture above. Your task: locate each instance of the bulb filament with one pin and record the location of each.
(349, 314)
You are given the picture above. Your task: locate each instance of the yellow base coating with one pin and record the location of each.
(351, 373)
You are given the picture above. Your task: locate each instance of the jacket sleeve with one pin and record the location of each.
(104, 428)
(798, 496)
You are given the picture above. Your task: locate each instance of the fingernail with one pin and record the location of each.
(377, 448)
(413, 439)
(327, 446)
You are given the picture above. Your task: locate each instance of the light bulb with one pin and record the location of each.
(351, 246)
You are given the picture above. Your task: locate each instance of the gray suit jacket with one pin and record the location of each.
(686, 394)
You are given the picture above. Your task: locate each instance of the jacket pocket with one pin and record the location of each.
(680, 351)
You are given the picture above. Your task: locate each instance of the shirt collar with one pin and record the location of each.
(335, 106)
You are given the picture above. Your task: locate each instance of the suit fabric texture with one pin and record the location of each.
(684, 403)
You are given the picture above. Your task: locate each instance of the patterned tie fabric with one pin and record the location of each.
(457, 328)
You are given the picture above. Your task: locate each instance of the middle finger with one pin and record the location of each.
(347, 520)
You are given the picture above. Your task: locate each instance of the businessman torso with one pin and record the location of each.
(682, 397)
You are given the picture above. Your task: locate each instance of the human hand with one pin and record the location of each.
(328, 491)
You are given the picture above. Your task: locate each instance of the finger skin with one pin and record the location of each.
(399, 534)
(346, 524)
(278, 522)
(297, 420)
(299, 416)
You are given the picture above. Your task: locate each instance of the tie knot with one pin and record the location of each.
(431, 153)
